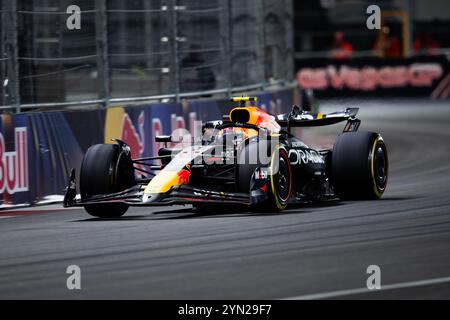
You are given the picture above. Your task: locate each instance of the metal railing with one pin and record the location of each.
(156, 98)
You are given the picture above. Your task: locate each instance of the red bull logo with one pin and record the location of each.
(14, 164)
(134, 138)
(118, 124)
(184, 174)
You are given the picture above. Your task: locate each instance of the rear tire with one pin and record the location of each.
(105, 169)
(359, 166)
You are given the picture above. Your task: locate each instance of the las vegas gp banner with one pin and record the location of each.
(425, 76)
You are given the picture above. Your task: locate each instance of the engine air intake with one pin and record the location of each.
(241, 115)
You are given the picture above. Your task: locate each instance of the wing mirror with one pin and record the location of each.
(163, 139)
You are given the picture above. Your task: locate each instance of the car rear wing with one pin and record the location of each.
(299, 118)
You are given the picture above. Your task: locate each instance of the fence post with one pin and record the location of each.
(174, 48)
(410, 25)
(148, 30)
(2, 53)
(102, 51)
(229, 45)
(261, 53)
(12, 53)
(288, 71)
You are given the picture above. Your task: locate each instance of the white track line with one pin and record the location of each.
(340, 293)
(4, 217)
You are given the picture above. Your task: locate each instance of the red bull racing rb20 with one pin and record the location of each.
(248, 158)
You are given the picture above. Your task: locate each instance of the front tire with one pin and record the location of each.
(106, 168)
(359, 166)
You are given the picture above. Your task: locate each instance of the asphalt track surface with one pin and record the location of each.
(310, 251)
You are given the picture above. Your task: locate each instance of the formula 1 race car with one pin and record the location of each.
(248, 158)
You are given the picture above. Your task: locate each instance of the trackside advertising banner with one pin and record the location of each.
(426, 76)
(37, 150)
